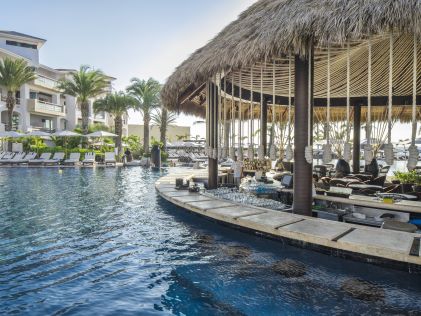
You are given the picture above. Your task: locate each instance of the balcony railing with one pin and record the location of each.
(35, 105)
(46, 82)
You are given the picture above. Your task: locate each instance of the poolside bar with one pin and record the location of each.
(298, 77)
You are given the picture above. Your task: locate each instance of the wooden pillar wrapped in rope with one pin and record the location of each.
(413, 150)
(347, 145)
(213, 135)
(240, 136)
(289, 153)
(357, 139)
(327, 148)
(368, 149)
(232, 147)
(303, 190)
(388, 148)
(226, 123)
(272, 150)
(250, 150)
(263, 120)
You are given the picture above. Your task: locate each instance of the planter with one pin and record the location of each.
(406, 187)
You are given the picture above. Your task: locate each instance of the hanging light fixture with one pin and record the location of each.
(388, 148)
(308, 151)
(261, 150)
(272, 151)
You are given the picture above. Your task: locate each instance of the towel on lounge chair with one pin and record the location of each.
(55, 160)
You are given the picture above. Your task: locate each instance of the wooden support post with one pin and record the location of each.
(303, 188)
(264, 125)
(357, 139)
(213, 134)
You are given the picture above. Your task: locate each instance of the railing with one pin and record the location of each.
(46, 82)
(35, 105)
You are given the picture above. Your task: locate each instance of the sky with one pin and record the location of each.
(124, 38)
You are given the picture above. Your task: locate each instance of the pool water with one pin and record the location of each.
(100, 241)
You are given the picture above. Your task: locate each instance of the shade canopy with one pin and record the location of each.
(264, 36)
(66, 134)
(101, 134)
(38, 134)
(11, 134)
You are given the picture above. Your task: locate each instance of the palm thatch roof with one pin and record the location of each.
(267, 32)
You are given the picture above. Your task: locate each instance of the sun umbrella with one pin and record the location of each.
(38, 134)
(66, 134)
(11, 134)
(101, 134)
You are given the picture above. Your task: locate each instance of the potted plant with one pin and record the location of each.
(407, 180)
(417, 186)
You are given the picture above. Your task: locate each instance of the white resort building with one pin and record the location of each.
(40, 105)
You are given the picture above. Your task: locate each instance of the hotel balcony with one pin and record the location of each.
(45, 82)
(37, 106)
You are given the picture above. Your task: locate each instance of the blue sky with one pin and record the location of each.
(124, 38)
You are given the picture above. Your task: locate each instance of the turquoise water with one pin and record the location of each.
(101, 242)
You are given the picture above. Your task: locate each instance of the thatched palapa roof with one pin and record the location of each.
(270, 30)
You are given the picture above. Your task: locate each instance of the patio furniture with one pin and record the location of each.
(8, 161)
(89, 159)
(57, 158)
(110, 158)
(24, 160)
(40, 160)
(73, 159)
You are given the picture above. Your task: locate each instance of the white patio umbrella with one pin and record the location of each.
(38, 134)
(65, 135)
(101, 134)
(11, 134)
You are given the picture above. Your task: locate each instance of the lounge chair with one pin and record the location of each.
(40, 160)
(24, 160)
(6, 155)
(8, 161)
(89, 159)
(110, 158)
(73, 159)
(55, 160)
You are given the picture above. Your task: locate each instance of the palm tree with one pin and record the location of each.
(84, 84)
(13, 75)
(146, 92)
(116, 104)
(163, 119)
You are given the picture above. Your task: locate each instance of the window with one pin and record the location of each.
(20, 44)
(32, 95)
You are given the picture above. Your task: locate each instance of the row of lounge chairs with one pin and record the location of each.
(184, 156)
(45, 159)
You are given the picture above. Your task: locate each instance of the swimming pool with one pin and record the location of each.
(100, 241)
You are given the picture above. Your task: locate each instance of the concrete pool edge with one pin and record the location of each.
(337, 239)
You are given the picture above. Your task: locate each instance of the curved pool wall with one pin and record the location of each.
(100, 241)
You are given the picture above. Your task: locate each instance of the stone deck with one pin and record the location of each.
(356, 239)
